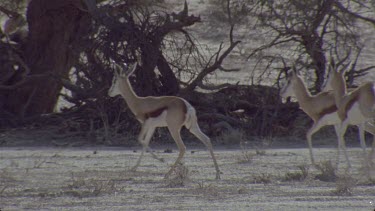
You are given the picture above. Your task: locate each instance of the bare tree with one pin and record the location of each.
(72, 37)
(307, 31)
(159, 39)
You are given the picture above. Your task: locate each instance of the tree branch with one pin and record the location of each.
(345, 10)
(7, 12)
(216, 87)
(216, 65)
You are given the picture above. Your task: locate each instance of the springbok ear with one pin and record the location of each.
(332, 65)
(286, 70)
(118, 70)
(331, 71)
(289, 72)
(295, 71)
(345, 68)
(134, 68)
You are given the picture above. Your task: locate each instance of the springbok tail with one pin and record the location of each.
(190, 116)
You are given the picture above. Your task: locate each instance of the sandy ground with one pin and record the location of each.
(100, 179)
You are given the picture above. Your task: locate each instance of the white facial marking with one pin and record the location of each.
(287, 89)
(114, 90)
(328, 84)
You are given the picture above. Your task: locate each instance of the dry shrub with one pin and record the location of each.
(243, 190)
(246, 156)
(297, 175)
(82, 187)
(328, 172)
(261, 152)
(208, 190)
(263, 178)
(180, 178)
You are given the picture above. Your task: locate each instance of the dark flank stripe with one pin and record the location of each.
(156, 113)
(328, 110)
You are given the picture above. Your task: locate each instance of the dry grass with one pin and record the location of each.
(328, 172)
(245, 157)
(297, 175)
(83, 187)
(208, 190)
(102, 180)
(39, 162)
(261, 152)
(263, 178)
(180, 176)
(344, 186)
(6, 179)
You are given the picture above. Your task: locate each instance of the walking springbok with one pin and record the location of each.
(164, 111)
(354, 108)
(321, 108)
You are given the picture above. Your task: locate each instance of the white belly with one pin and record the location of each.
(355, 115)
(331, 119)
(159, 121)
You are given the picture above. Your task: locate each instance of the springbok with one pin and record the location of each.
(354, 108)
(164, 111)
(321, 108)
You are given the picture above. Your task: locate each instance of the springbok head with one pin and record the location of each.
(120, 76)
(336, 77)
(288, 88)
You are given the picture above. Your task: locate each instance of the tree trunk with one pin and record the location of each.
(148, 83)
(54, 28)
(170, 85)
(314, 47)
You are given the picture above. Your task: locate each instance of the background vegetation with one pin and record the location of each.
(227, 57)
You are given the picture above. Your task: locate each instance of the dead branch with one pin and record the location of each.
(353, 14)
(216, 65)
(7, 12)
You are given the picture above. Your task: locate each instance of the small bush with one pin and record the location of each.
(328, 172)
(208, 190)
(260, 152)
(81, 187)
(299, 175)
(245, 157)
(263, 178)
(181, 173)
